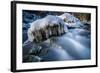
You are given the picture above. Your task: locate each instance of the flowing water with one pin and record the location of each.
(74, 45)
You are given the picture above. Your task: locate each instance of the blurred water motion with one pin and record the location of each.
(73, 45)
(67, 47)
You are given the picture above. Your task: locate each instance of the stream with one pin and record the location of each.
(74, 45)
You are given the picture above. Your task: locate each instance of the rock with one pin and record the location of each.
(42, 29)
(70, 20)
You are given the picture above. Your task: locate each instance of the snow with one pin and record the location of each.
(48, 20)
(70, 20)
(41, 23)
(51, 20)
(73, 45)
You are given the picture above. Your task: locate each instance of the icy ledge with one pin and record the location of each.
(47, 27)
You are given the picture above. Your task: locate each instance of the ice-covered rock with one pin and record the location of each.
(70, 20)
(47, 27)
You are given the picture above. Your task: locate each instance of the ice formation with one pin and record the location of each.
(73, 45)
(70, 20)
(45, 28)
